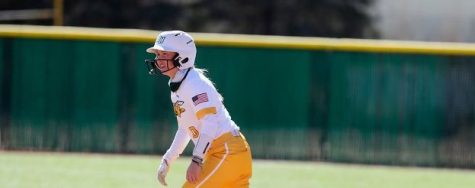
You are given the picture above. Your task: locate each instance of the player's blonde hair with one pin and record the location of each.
(203, 72)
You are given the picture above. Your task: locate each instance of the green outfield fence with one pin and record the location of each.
(343, 100)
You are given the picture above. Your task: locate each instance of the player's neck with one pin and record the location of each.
(178, 75)
(176, 81)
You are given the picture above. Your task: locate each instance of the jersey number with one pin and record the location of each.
(194, 132)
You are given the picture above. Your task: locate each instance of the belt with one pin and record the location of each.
(226, 136)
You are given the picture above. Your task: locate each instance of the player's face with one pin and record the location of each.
(164, 61)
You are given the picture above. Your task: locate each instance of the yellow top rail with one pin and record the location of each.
(237, 40)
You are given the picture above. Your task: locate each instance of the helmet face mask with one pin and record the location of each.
(174, 41)
(152, 65)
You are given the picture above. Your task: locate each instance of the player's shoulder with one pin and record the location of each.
(196, 78)
(196, 81)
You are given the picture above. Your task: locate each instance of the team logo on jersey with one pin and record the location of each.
(178, 109)
(194, 132)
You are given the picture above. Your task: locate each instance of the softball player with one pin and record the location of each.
(221, 156)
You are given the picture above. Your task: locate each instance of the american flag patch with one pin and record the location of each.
(200, 98)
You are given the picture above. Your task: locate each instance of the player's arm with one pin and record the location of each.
(176, 149)
(205, 101)
(208, 131)
(203, 98)
(205, 109)
(178, 145)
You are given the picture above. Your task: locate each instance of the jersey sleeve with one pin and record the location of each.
(205, 101)
(178, 145)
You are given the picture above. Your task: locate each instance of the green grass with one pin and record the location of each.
(71, 170)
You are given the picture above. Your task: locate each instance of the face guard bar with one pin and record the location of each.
(151, 65)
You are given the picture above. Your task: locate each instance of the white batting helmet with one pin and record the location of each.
(179, 42)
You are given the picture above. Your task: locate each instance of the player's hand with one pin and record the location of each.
(193, 172)
(162, 172)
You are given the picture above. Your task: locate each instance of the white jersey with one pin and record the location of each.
(200, 113)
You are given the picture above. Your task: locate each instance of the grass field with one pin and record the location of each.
(71, 170)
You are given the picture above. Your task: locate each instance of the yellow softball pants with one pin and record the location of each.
(228, 163)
